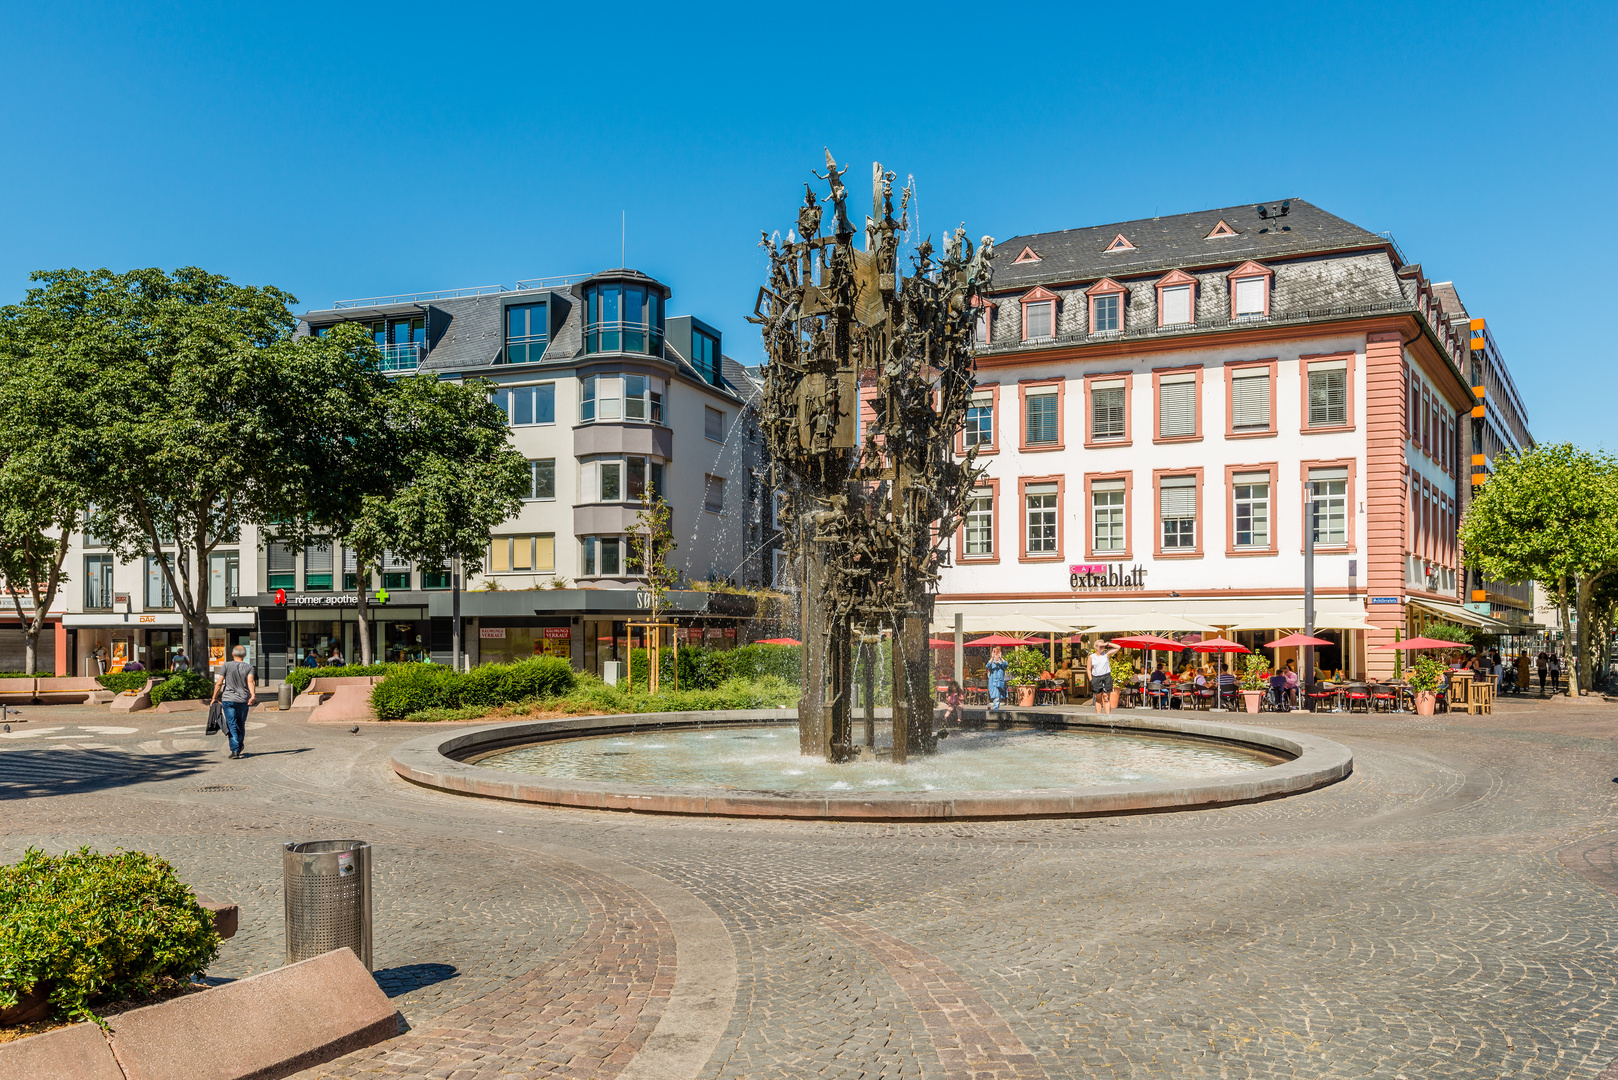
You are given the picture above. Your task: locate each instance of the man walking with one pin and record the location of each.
(236, 685)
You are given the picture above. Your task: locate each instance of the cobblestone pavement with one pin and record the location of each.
(1447, 911)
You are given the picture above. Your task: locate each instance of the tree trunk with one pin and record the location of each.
(362, 611)
(1572, 666)
(1581, 667)
(30, 654)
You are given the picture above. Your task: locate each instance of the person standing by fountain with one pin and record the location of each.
(997, 679)
(1101, 676)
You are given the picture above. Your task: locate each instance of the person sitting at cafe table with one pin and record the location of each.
(1290, 673)
(1159, 685)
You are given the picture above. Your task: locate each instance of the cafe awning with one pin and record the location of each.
(1455, 613)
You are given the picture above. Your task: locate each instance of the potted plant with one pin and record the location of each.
(1122, 672)
(1426, 677)
(1255, 669)
(1022, 671)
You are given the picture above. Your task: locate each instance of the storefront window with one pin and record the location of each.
(158, 592)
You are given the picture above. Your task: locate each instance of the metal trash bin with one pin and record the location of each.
(327, 886)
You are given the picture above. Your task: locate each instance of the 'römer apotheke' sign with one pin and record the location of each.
(1105, 576)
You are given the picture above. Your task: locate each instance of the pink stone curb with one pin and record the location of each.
(448, 763)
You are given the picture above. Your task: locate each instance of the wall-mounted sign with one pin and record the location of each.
(286, 599)
(1384, 599)
(120, 598)
(491, 633)
(1105, 576)
(559, 633)
(148, 618)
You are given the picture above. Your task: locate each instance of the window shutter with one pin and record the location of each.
(1107, 408)
(1176, 305)
(1177, 403)
(1250, 296)
(1177, 497)
(1328, 395)
(1250, 401)
(1040, 418)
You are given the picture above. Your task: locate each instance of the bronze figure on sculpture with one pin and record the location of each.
(872, 506)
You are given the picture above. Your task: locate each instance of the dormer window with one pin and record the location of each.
(1250, 291)
(1106, 306)
(1176, 299)
(1039, 315)
(1027, 255)
(1120, 243)
(983, 325)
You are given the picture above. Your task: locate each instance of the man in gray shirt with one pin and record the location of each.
(236, 685)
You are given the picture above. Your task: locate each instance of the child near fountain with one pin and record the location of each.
(952, 703)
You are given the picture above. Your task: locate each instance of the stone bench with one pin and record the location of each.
(274, 1024)
(73, 690)
(339, 699)
(134, 700)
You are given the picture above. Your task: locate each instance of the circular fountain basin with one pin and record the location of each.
(746, 764)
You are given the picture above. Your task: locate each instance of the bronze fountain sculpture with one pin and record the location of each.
(870, 512)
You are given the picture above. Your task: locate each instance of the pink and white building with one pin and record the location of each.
(1155, 399)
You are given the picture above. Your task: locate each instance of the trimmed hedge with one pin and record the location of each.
(300, 678)
(182, 686)
(89, 926)
(415, 688)
(118, 682)
(25, 675)
(702, 668)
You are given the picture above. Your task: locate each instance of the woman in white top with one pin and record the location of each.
(1101, 676)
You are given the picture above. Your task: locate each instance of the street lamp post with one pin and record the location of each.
(1309, 524)
(455, 613)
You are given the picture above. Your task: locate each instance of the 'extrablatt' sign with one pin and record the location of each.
(1105, 576)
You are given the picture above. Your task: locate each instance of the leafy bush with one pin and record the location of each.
(702, 668)
(591, 695)
(1024, 665)
(1427, 675)
(182, 686)
(120, 681)
(25, 675)
(1255, 669)
(89, 926)
(415, 688)
(300, 678)
(1122, 670)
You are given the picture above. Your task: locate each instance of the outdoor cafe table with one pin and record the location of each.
(1461, 693)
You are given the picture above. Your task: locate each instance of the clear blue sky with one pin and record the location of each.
(340, 151)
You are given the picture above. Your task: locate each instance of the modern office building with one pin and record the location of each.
(607, 396)
(1157, 398)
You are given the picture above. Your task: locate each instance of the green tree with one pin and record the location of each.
(651, 542)
(1552, 516)
(185, 397)
(424, 477)
(41, 498)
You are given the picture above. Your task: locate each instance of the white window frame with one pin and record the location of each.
(1257, 508)
(1335, 509)
(1028, 317)
(1109, 387)
(1325, 368)
(1172, 297)
(1171, 508)
(1113, 514)
(1041, 394)
(1251, 295)
(1172, 384)
(1040, 512)
(980, 521)
(708, 424)
(1242, 382)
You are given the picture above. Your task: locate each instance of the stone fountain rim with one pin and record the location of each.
(437, 761)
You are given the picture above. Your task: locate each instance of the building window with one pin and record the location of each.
(98, 582)
(1250, 296)
(524, 405)
(1329, 490)
(1106, 312)
(542, 478)
(528, 553)
(1176, 300)
(979, 541)
(1251, 494)
(1177, 497)
(1040, 319)
(1250, 400)
(603, 556)
(317, 567)
(1039, 506)
(395, 571)
(525, 333)
(158, 593)
(623, 318)
(713, 424)
(1328, 394)
(979, 429)
(351, 567)
(603, 398)
(1107, 411)
(610, 478)
(224, 579)
(1040, 415)
(435, 579)
(705, 355)
(643, 398)
(281, 566)
(1177, 406)
(713, 494)
(779, 569)
(981, 329)
(1107, 516)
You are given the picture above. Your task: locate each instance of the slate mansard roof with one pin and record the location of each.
(1176, 241)
(466, 334)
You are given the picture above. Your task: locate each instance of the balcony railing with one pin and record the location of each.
(623, 337)
(405, 357)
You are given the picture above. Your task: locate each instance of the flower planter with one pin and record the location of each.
(32, 1006)
(1025, 696)
(1426, 702)
(1251, 699)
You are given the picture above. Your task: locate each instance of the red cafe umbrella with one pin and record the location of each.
(1416, 643)
(1148, 641)
(1296, 641)
(1001, 640)
(1219, 645)
(778, 641)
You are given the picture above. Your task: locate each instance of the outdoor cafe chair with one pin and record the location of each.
(1359, 697)
(1384, 697)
